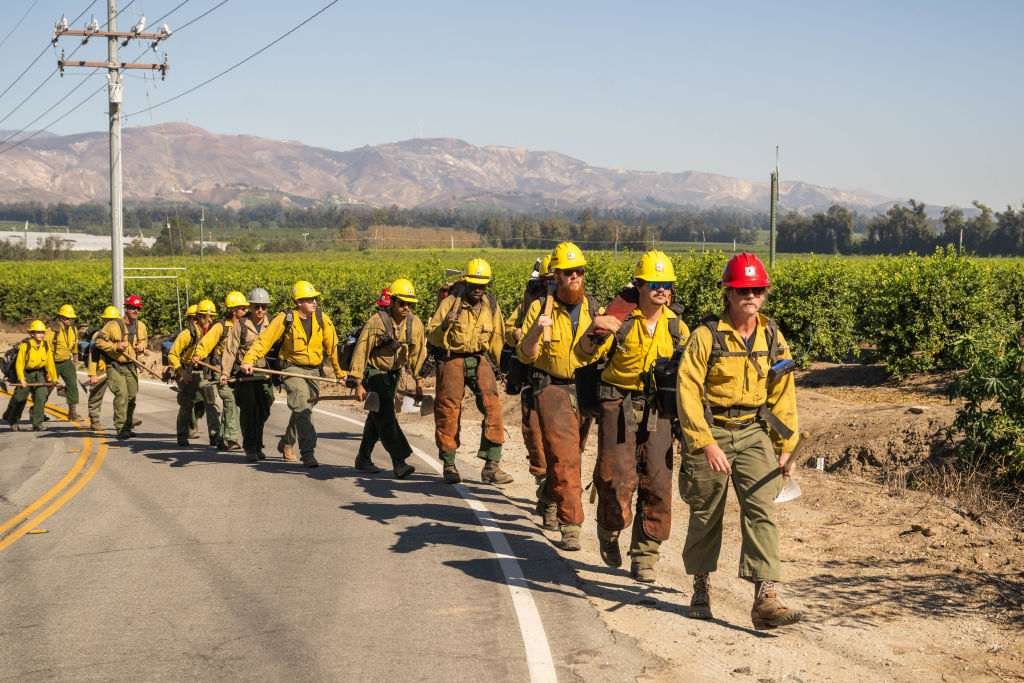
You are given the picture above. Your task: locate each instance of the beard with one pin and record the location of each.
(569, 295)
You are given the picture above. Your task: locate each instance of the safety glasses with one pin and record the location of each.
(578, 272)
(261, 307)
(660, 285)
(747, 291)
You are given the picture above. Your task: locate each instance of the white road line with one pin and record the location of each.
(535, 640)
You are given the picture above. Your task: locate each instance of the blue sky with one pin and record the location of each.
(920, 99)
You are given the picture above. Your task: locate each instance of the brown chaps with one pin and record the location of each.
(631, 458)
(563, 434)
(532, 436)
(453, 376)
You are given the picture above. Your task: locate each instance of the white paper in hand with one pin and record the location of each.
(790, 491)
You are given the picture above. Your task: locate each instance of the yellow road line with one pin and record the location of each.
(97, 462)
(56, 488)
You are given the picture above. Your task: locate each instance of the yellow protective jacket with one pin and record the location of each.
(212, 343)
(635, 355)
(474, 329)
(114, 332)
(95, 365)
(556, 357)
(370, 352)
(733, 381)
(238, 341)
(298, 348)
(33, 355)
(184, 347)
(64, 341)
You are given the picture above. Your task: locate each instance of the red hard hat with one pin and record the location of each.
(745, 270)
(134, 301)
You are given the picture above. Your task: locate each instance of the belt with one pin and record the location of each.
(454, 354)
(734, 411)
(734, 426)
(299, 365)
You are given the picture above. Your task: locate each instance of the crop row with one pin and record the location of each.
(911, 312)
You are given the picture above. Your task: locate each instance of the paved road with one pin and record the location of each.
(182, 562)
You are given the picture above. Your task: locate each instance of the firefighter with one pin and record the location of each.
(392, 339)
(190, 378)
(467, 330)
(64, 341)
(740, 423)
(96, 369)
(34, 365)
(256, 394)
(123, 341)
(563, 429)
(210, 349)
(309, 340)
(536, 288)
(634, 438)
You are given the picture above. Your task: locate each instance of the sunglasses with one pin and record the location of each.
(756, 291)
(403, 304)
(578, 272)
(262, 307)
(660, 285)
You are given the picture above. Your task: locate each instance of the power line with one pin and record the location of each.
(11, 32)
(240, 63)
(167, 14)
(43, 52)
(207, 12)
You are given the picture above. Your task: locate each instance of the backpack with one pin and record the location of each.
(9, 362)
(85, 345)
(515, 371)
(774, 353)
(347, 346)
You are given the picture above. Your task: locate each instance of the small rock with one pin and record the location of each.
(745, 670)
(927, 531)
(916, 410)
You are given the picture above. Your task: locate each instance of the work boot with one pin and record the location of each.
(768, 611)
(95, 426)
(136, 422)
(182, 442)
(570, 537)
(230, 446)
(367, 466)
(125, 434)
(550, 517)
(261, 455)
(310, 461)
(451, 473)
(194, 434)
(608, 540)
(72, 414)
(287, 451)
(700, 603)
(403, 470)
(492, 474)
(641, 573)
(252, 457)
(13, 426)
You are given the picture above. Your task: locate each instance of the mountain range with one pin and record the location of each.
(181, 162)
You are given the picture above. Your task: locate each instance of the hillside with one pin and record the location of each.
(181, 162)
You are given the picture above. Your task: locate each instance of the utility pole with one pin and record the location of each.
(773, 212)
(115, 96)
(202, 223)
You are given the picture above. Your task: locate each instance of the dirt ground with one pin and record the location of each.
(896, 584)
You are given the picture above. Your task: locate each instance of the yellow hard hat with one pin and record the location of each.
(403, 289)
(110, 313)
(567, 256)
(192, 310)
(206, 307)
(37, 326)
(545, 265)
(655, 266)
(235, 299)
(304, 290)
(478, 271)
(67, 311)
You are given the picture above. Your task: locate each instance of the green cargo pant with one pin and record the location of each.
(254, 401)
(757, 480)
(96, 393)
(229, 429)
(66, 371)
(302, 395)
(21, 396)
(383, 425)
(189, 393)
(123, 381)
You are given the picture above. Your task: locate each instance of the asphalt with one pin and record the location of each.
(175, 563)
